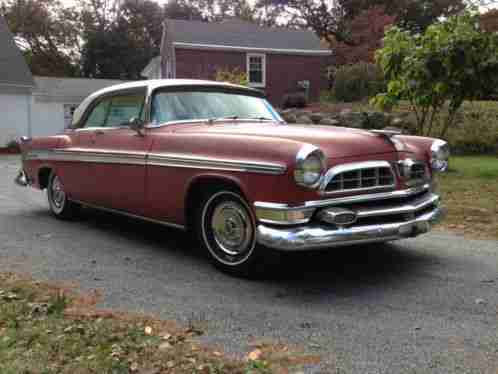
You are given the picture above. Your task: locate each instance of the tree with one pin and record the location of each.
(415, 15)
(452, 61)
(181, 9)
(47, 33)
(119, 42)
(489, 20)
(366, 34)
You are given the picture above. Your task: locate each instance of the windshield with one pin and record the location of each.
(209, 105)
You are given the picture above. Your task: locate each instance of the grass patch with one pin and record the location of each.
(470, 193)
(47, 329)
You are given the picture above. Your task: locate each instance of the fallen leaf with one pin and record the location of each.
(255, 355)
(216, 353)
(148, 330)
(164, 346)
(134, 366)
(480, 301)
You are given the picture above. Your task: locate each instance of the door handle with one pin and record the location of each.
(99, 132)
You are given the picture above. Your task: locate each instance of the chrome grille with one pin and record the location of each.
(418, 171)
(360, 177)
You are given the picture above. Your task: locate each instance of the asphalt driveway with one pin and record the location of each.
(426, 305)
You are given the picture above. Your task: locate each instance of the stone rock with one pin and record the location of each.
(396, 122)
(290, 118)
(376, 120)
(353, 119)
(330, 122)
(316, 117)
(304, 120)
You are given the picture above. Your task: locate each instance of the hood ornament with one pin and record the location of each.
(390, 134)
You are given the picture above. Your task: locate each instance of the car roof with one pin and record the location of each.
(151, 85)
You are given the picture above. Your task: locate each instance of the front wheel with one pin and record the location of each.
(227, 229)
(59, 204)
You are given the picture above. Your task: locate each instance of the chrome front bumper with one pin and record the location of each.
(320, 236)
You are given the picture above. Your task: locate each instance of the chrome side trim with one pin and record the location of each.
(93, 156)
(323, 236)
(131, 215)
(184, 161)
(155, 159)
(346, 200)
(355, 166)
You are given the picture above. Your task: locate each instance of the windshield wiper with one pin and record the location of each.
(216, 119)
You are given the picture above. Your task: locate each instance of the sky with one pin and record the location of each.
(73, 2)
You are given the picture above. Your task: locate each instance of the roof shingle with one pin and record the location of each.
(13, 67)
(236, 33)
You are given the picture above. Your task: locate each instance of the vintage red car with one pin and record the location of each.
(217, 159)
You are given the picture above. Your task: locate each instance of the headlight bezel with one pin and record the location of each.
(307, 154)
(440, 155)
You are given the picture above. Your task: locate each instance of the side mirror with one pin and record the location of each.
(137, 125)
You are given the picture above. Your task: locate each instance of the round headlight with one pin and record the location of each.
(440, 154)
(310, 167)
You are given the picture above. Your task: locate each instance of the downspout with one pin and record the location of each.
(29, 99)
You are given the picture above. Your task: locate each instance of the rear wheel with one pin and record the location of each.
(227, 229)
(59, 204)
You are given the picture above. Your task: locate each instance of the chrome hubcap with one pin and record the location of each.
(232, 228)
(57, 193)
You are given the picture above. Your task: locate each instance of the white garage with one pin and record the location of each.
(16, 85)
(36, 106)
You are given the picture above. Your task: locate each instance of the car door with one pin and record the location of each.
(115, 153)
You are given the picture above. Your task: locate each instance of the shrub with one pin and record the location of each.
(452, 61)
(294, 100)
(357, 82)
(235, 76)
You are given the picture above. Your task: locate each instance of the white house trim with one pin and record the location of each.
(263, 67)
(217, 47)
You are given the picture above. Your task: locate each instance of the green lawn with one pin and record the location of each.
(470, 192)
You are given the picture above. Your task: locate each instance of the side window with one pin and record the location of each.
(124, 108)
(116, 111)
(97, 117)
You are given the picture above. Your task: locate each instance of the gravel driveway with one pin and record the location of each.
(427, 305)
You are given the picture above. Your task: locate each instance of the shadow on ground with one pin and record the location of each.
(343, 268)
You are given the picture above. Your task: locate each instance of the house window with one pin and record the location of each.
(256, 70)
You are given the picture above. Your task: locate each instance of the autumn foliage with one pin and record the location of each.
(366, 33)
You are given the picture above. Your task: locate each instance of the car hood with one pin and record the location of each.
(335, 142)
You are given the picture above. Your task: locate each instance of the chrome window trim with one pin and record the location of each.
(155, 159)
(345, 200)
(354, 166)
(131, 215)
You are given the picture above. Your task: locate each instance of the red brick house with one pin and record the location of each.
(275, 59)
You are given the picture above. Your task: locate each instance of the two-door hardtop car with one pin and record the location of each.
(218, 159)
